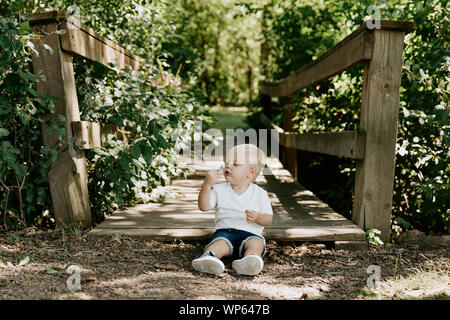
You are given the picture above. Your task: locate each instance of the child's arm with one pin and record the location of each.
(263, 219)
(205, 192)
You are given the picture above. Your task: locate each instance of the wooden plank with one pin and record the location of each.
(306, 233)
(352, 50)
(83, 43)
(289, 155)
(269, 124)
(349, 144)
(156, 234)
(372, 205)
(68, 175)
(94, 133)
(47, 17)
(395, 25)
(298, 214)
(64, 18)
(315, 233)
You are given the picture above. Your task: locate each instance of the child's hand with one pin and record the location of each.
(251, 215)
(212, 177)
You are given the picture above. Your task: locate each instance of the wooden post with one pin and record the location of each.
(266, 105)
(68, 175)
(289, 154)
(372, 205)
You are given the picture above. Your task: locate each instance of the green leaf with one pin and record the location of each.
(135, 151)
(151, 126)
(25, 26)
(161, 141)
(147, 154)
(403, 223)
(123, 162)
(367, 293)
(5, 43)
(3, 132)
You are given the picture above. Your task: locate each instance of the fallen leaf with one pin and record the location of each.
(24, 261)
(89, 279)
(166, 266)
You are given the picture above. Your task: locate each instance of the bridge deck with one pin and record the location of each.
(298, 214)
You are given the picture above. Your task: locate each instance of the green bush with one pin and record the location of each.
(157, 120)
(157, 117)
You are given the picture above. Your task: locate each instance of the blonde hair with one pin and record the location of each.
(255, 156)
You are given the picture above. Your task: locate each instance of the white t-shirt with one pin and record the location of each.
(230, 212)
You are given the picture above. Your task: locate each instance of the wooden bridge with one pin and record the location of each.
(298, 214)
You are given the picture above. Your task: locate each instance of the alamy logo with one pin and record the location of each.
(375, 277)
(75, 17)
(375, 20)
(74, 281)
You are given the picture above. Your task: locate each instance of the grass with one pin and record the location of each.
(430, 280)
(229, 118)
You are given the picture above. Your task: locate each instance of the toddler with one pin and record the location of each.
(243, 209)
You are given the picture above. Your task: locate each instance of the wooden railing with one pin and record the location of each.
(373, 145)
(68, 176)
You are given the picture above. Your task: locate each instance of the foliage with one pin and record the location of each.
(224, 41)
(156, 112)
(301, 31)
(157, 118)
(214, 41)
(24, 161)
(373, 236)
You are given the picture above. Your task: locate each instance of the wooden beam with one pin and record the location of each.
(83, 43)
(289, 158)
(94, 133)
(68, 174)
(349, 144)
(269, 124)
(347, 53)
(354, 49)
(372, 205)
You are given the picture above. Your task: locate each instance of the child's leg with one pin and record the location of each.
(253, 246)
(220, 248)
(212, 264)
(251, 264)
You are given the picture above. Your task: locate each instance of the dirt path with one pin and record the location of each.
(121, 268)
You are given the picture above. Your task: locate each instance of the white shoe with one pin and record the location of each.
(249, 265)
(208, 264)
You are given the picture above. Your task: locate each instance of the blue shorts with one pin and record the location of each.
(235, 239)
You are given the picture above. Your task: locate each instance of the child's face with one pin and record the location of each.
(238, 169)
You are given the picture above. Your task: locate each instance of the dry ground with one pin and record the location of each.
(124, 268)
